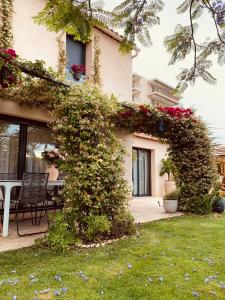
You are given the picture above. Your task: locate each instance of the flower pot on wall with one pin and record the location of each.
(77, 76)
(53, 172)
(169, 186)
(170, 206)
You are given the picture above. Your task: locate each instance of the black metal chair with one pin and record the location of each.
(32, 198)
(5, 176)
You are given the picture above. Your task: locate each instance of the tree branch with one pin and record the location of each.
(209, 6)
(192, 37)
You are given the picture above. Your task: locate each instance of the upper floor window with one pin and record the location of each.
(75, 51)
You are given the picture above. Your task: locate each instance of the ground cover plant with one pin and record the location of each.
(179, 258)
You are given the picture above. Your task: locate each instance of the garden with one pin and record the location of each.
(178, 258)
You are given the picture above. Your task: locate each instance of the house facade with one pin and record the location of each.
(24, 132)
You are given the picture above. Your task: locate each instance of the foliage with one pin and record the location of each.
(9, 75)
(97, 227)
(51, 157)
(6, 13)
(190, 150)
(77, 18)
(172, 196)
(62, 58)
(123, 224)
(136, 18)
(96, 63)
(93, 158)
(167, 168)
(171, 248)
(59, 236)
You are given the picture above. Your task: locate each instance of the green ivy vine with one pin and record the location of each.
(6, 15)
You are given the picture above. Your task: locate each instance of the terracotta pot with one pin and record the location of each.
(53, 172)
(170, 206)
(169, 186)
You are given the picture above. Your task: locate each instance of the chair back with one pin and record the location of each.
(33, 188)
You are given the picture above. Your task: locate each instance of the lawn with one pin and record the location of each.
(179, 258)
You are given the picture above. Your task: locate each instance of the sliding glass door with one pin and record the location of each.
(9, 147)
(141, 172)
(39, 139)
(21, 145)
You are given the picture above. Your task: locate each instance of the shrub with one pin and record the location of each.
(123, 224)
(59, 237)
(172, 196)
(97, 228)
(95, 184)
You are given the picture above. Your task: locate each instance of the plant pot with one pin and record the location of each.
(53, 173)
(169, 186)
(219, 205)
(77, 76)
(170, 206)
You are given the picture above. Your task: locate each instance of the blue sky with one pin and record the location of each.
(207, 100)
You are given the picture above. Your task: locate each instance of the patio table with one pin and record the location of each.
(9, 184)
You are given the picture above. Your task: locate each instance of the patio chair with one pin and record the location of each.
(32, 198)
(4, 176)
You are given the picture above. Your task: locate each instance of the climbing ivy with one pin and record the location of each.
(190, 149)
(6, 14)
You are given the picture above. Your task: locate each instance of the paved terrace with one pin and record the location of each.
(144, 209)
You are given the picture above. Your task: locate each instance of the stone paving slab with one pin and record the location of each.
(144, 209)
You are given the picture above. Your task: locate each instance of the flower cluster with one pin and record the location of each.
(143, 109)
(219, 9)
(176, 112)
(78, 69)
(126, 114)
(8, 73)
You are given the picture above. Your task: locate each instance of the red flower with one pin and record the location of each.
(78, 68)
(10, 54)
(176, 112)
(126, 114)
(143, 109)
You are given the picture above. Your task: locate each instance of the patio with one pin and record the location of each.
(144, 209)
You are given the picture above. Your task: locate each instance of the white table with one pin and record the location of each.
(9, 184)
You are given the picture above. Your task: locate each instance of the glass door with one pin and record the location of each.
(9, 146)
(141, 172)
(39, 139)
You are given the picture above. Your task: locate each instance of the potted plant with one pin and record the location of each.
(77, 71)
(169, 169)
(170, 202)
(219, 203)
(52, 158)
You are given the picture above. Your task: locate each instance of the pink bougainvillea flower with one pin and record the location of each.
(143, 109)
(78, 68)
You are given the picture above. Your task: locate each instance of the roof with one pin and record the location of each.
(113, 34)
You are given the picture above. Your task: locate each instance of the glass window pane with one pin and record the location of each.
(9, 147)
(141, 172)
(135, 172)
(39, 139)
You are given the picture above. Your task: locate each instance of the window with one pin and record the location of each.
(75, 51)
(21, 145)
(141, 172)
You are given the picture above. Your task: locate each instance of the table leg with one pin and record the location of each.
(5, 230)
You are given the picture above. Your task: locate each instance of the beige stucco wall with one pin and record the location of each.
(11, 108)
(32, 41)
(115, 68)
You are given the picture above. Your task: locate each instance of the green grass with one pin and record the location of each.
(169, 248)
